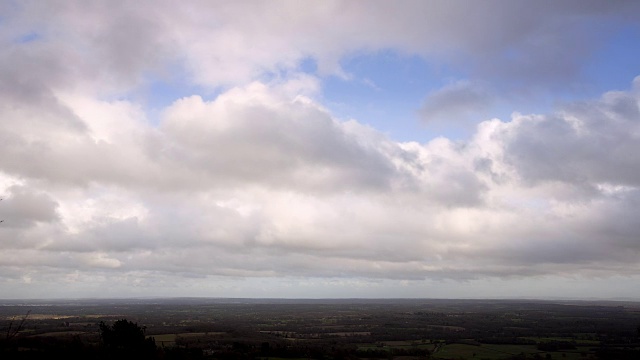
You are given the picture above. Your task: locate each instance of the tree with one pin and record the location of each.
(126, 338)
(13, 332)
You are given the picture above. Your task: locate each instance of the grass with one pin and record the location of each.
(569, 339)
(499, 352)
(170, 339)
(164, 337)
(456, 351)
(62, 333)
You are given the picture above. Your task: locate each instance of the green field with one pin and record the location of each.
(62, 333)
(568, 339)
(497, 352)
(170, 339)
(389, 329)
(389, 345)
(457, 351)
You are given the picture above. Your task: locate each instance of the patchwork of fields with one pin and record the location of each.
(354, 329)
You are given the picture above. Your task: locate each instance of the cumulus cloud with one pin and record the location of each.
(271, 184)
(248, 135)
(260, 180)
(588, 143)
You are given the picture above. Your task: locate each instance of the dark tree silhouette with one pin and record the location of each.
(126, 338)
(13, 332)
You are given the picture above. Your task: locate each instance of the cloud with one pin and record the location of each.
(235, 42)
(588, 143)
(26, 207)
(248, 135)
(257, 180)
(456, 102)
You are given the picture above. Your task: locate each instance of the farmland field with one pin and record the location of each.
(328, 329)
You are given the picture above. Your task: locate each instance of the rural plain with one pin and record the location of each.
(207, 328)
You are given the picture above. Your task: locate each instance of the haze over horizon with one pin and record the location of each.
(327, 149)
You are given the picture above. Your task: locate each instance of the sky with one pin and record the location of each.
(320, 149)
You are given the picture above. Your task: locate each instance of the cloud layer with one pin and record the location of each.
(261, 180)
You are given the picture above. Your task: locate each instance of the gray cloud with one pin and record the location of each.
(295, 145)
(23, 207)
(223, 43)
(495, 205)
(456, 102)
(262, 182)
(224, 194)
(590, 143)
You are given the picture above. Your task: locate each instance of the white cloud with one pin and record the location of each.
(261, 181)
(252, 135)
(227, 43)
(258, 183)
(588, 143)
